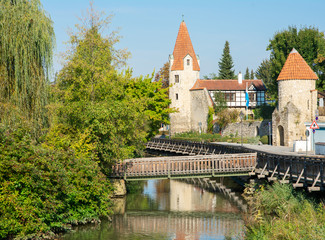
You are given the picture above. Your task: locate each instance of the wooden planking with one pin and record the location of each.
(185, 165)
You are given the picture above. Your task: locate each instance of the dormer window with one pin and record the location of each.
(188, 62)
(176, 78)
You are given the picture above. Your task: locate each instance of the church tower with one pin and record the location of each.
(184, 71)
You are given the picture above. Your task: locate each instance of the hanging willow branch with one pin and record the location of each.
(26, 47)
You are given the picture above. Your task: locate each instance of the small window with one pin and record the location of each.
(188, 62)
(252, 96)
(230, 97)
(176, 96)
(176, 78)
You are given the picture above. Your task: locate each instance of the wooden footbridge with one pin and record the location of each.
(300, 171)
(202, 166)
(209, 159)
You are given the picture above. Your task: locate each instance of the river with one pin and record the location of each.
(168, 209)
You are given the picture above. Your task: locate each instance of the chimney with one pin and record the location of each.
(240, 78)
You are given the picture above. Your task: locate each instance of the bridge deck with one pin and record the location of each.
(301, 171)
(185, 166)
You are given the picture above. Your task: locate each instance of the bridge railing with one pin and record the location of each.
(300, 170)
(185, 165)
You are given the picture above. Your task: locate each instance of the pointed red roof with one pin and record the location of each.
(296, 67)
(183, 46)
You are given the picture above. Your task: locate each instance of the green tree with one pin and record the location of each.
(219, 102)
(263, 72)
(210, 76)
(226, 64)
(163, 75)
(308, 41)
(246, 76)
(26, 48)
(252, 74)
(102, 113)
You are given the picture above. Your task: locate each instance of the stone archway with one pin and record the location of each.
(280, 136)
(257, 131)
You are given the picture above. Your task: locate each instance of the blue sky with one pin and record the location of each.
(149, 28)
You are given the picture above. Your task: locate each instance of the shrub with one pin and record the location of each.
(265, 139)
(44, 191)
(264, 112)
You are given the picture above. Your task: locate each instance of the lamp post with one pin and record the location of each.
(241, 115)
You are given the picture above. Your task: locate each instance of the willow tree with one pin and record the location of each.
(26, 48)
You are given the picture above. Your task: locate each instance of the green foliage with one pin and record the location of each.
(111, 112)
(277, 212)
(26, 45)
(154, 98)
(264, 111)
(252, 74)
(226, 64)
(308, 41)
(44, 191)
(213, 137)
(227, 116)
(263, 72)
(210, 76)
(265, 139)
(210, 119)
(163, 75)
(246, 76)
(220, 101)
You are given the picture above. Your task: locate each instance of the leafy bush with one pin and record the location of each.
(44, 191)
(264, 112)
(265, 139)
(278, 212)
(210, 119)
(226, 116)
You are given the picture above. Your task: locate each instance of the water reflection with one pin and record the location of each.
(169, 210)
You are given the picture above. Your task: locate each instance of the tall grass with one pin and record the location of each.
(278, 212)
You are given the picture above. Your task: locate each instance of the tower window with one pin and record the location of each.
(176, 78)
(188, 62)
(176, 96)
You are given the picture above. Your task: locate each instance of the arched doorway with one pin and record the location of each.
(280, 135)
(257, 131)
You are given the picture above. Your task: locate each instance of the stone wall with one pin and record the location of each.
(297, 104)
(301, 93)
(249, 128)
(201, 102)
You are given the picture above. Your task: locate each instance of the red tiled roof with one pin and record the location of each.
(183, 46)
(296, 67)
(227, 84)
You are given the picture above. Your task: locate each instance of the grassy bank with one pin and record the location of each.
(213, 137)
(279, 212)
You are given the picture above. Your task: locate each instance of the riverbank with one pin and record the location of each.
(279, 212)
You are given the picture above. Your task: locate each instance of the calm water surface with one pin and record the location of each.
(168, 209)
